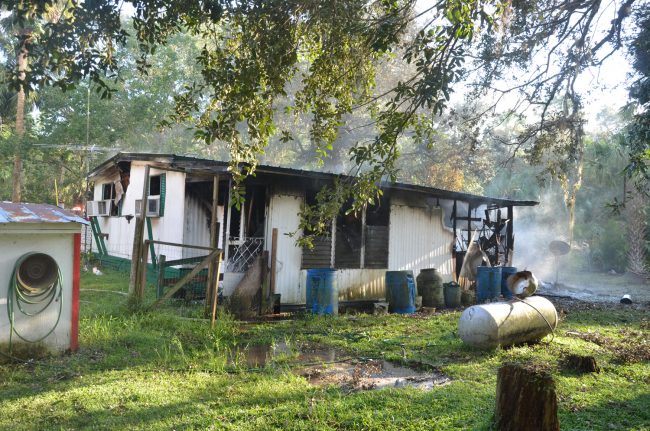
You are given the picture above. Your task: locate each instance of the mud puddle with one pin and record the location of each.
(327, 366)
(260, 355)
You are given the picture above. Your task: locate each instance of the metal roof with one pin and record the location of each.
(11, 212)
(198, 164)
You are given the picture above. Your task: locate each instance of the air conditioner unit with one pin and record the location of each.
(153, 206)
(91, 208)
(99, 208)
(104, 207)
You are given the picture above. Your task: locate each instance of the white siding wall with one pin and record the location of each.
(59, 244)
(417, 240)
(283, 215)
(166, 228)
(197, 225)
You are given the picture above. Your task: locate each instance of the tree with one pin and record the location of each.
(15, 44)
(77, 128)
(252, 49)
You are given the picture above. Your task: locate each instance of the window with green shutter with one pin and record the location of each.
(157, 188)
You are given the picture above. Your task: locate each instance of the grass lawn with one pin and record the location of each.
(163, 370)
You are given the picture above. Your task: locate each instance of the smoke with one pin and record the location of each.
(534, 229)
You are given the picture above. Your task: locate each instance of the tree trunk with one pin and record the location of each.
(576, 152)
(635, 214)
(21, 60)
(526, 399)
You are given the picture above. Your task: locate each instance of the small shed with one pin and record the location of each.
(39, 276)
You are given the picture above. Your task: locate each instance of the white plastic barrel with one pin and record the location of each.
(507, 323)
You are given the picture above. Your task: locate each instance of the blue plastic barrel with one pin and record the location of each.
(400, 292)
(488, 283)
(322, 293)
(506, 271)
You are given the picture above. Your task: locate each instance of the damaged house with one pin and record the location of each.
(410, 228)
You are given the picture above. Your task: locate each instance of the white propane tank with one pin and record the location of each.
(507, 323)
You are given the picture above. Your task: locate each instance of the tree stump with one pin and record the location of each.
(582, 364)
(526, 399)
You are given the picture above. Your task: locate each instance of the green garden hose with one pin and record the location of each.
(34, 284)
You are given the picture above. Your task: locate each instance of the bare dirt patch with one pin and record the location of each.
(371, 375)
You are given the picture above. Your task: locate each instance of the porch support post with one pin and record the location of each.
(510, 238)
(362, 262)
(213, 279)
(453, 214)
(469, 223)
(333, 248)
(226, 233)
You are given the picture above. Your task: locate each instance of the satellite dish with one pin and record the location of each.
(559, 248)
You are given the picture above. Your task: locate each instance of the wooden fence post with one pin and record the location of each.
(215, 292)
(136, 253)
(274, 257)
(143, 270)
(161, 275)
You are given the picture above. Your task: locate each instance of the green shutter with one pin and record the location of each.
(163, 189)
(152, 250)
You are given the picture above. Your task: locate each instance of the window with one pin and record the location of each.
(154, 185)
(320, 256)
(108, 191)
(361, 240)
(347, 249)
(155, 199)
(107, 206)
(376, 239)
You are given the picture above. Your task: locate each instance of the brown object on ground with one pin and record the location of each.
(581, 364)
(243, 303)
(526, 399)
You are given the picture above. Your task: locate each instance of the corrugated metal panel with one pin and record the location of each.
(283, 215)
(418, 240)
(354, 284)
(36, 213)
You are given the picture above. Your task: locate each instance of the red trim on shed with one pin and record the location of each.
(76, 273)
